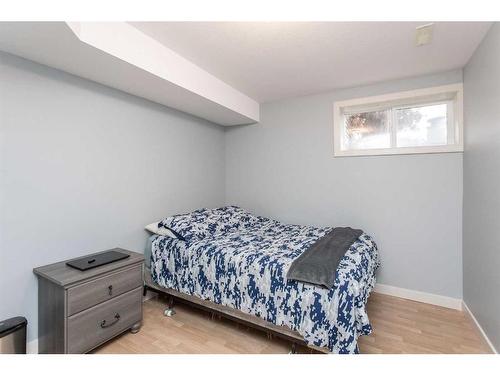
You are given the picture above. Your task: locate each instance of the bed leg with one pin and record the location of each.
(144, 290)
(169, 311)
(294, 348)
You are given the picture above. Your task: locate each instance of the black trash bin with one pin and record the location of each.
(13, 335)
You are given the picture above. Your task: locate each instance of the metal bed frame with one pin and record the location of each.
(229, 313)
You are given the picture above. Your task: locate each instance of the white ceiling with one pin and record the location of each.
(118, 55)
(273, 60)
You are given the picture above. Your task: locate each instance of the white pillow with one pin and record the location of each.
(153, 228)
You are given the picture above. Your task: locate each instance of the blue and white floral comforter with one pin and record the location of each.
(231, 257)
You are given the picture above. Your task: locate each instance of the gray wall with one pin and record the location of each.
(412, 205)
(482, 185)
(84, 167)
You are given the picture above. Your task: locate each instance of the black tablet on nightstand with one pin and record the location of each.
(94, 261)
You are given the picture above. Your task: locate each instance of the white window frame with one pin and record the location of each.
(450, 94)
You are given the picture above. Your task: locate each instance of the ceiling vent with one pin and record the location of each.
(423, 34)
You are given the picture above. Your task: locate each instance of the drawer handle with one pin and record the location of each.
(110, 290)
(104, 325)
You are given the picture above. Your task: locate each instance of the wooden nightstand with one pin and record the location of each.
(80, 310)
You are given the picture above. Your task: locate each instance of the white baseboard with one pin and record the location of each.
(486, 338)
(415, 295)
(32, 347)
(149, 294)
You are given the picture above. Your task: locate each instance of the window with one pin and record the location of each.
(411, 122)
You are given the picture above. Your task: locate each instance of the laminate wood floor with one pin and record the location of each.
(399, 326)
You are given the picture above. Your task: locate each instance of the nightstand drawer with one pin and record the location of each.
(94, 292)
(98, 324)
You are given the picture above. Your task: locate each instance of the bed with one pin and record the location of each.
(236, 264)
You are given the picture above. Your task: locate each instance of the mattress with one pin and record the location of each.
(246, 270)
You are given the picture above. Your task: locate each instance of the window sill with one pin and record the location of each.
(401, 151)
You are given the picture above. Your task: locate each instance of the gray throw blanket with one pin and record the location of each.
(318, 264)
